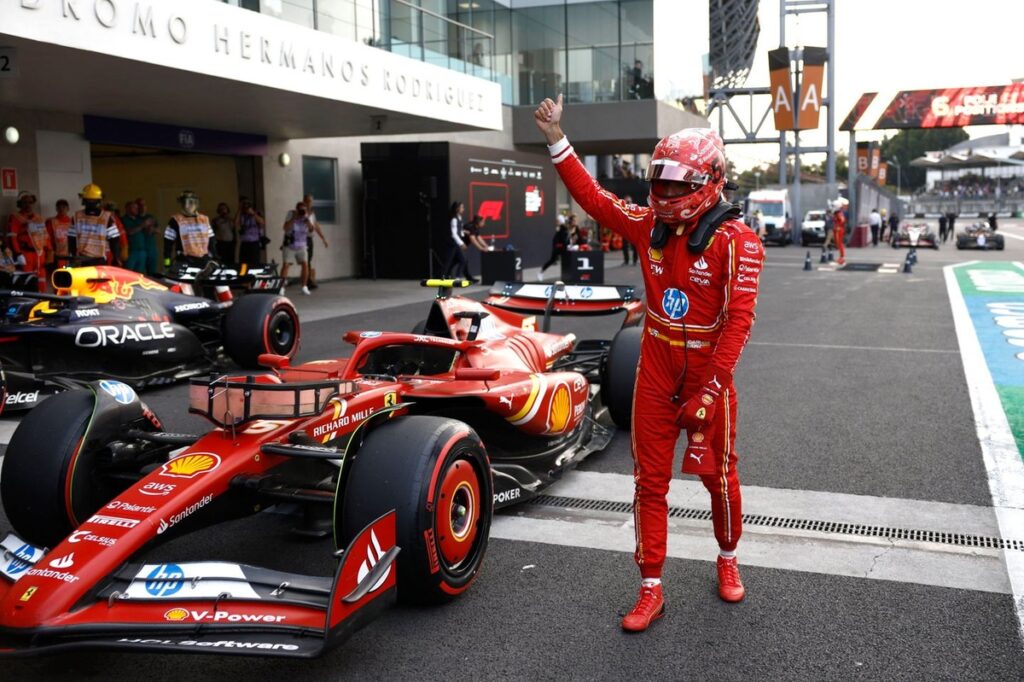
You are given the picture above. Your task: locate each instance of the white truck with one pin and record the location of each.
(775, 214)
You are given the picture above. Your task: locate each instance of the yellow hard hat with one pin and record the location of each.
(91, 192)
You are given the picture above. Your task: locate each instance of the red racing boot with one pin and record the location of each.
(650, 606)
(730, 587)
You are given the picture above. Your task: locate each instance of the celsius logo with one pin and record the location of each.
(165, 580)
(675, 304)
(490, 209)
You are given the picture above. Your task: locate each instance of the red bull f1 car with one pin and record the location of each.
(107, 322)
(980, 236)
(399, 452)
(915, 235)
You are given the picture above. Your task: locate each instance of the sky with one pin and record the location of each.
(880, 45)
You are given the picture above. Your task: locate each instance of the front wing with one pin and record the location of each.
(215, 607)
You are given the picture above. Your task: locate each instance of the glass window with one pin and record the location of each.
(296, 11)
(320, 178)
(539, 40)
(637, 30)
(337, 17)
(593, 38)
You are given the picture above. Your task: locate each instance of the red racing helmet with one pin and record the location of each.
(695, 156)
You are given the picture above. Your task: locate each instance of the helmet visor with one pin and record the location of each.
(667, 169)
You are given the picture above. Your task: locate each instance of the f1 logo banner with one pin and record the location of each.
(810, 87)
(782, 88)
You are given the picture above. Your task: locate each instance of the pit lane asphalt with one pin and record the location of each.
(880, 422)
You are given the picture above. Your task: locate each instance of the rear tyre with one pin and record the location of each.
(48, 486)
(619, 376)
(435, 474)
(1000, 243)
(258, 324)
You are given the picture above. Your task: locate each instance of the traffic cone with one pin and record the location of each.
(831, 255)
(907, 263)
(807, 262)
(824, 256)
(913, 257)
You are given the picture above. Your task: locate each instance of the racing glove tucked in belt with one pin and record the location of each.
(699, 411)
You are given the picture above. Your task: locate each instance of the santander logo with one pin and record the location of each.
(373, 557)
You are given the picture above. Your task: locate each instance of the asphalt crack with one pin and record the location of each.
(877, 557)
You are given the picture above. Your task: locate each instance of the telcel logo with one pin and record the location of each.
(22, 398)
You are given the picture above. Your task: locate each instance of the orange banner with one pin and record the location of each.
(876, 159)
(782, 88)
(863, 158)
(810, 87)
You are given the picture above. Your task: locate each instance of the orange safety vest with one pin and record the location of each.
(91, 234)
(58, 227)
(195, 233)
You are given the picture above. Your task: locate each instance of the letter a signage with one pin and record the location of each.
(782, 88)
(810, 87)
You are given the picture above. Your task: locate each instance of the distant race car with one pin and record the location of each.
(980, 236)
(401, 452)
(106, 322)
(915, 235)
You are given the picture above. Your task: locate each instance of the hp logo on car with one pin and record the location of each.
(17, 566)
(122, 393)
(165, 580)
(675, 304)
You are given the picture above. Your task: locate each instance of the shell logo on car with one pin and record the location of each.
(561, 408)
(176, 615)
(191, 465)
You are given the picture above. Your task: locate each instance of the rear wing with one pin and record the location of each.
(567, 299)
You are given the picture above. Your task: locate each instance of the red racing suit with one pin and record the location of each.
(700, 309)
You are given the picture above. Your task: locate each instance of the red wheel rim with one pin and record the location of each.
(458, 511)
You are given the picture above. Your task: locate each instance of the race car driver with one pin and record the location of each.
(27, 236)
(188, 233)
(93, 233)
(701, 271)
(839, 231)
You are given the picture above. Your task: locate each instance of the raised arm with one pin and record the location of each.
(629, 220)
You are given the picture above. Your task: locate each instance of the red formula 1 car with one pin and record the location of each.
(400, 452)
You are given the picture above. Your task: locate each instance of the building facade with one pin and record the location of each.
(271, 99)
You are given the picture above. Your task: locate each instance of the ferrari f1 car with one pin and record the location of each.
(980, 236)
(401, 452)
(106, 322)
(915, 235)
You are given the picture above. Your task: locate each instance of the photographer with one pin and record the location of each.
(252, 233)
(296, 235)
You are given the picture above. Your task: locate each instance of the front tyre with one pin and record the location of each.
(48, 484)
(435, 474)
(619, 376)
(258, 324)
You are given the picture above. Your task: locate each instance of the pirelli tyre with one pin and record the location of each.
(54, 477)
(618, 376)
(1000, 242)
(435, 474)
(961, 243)
(258, 324)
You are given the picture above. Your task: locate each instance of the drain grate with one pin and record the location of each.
(889, 533)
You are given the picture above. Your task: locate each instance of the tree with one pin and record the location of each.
(907, 145)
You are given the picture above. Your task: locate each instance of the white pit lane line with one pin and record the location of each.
(998, 447)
